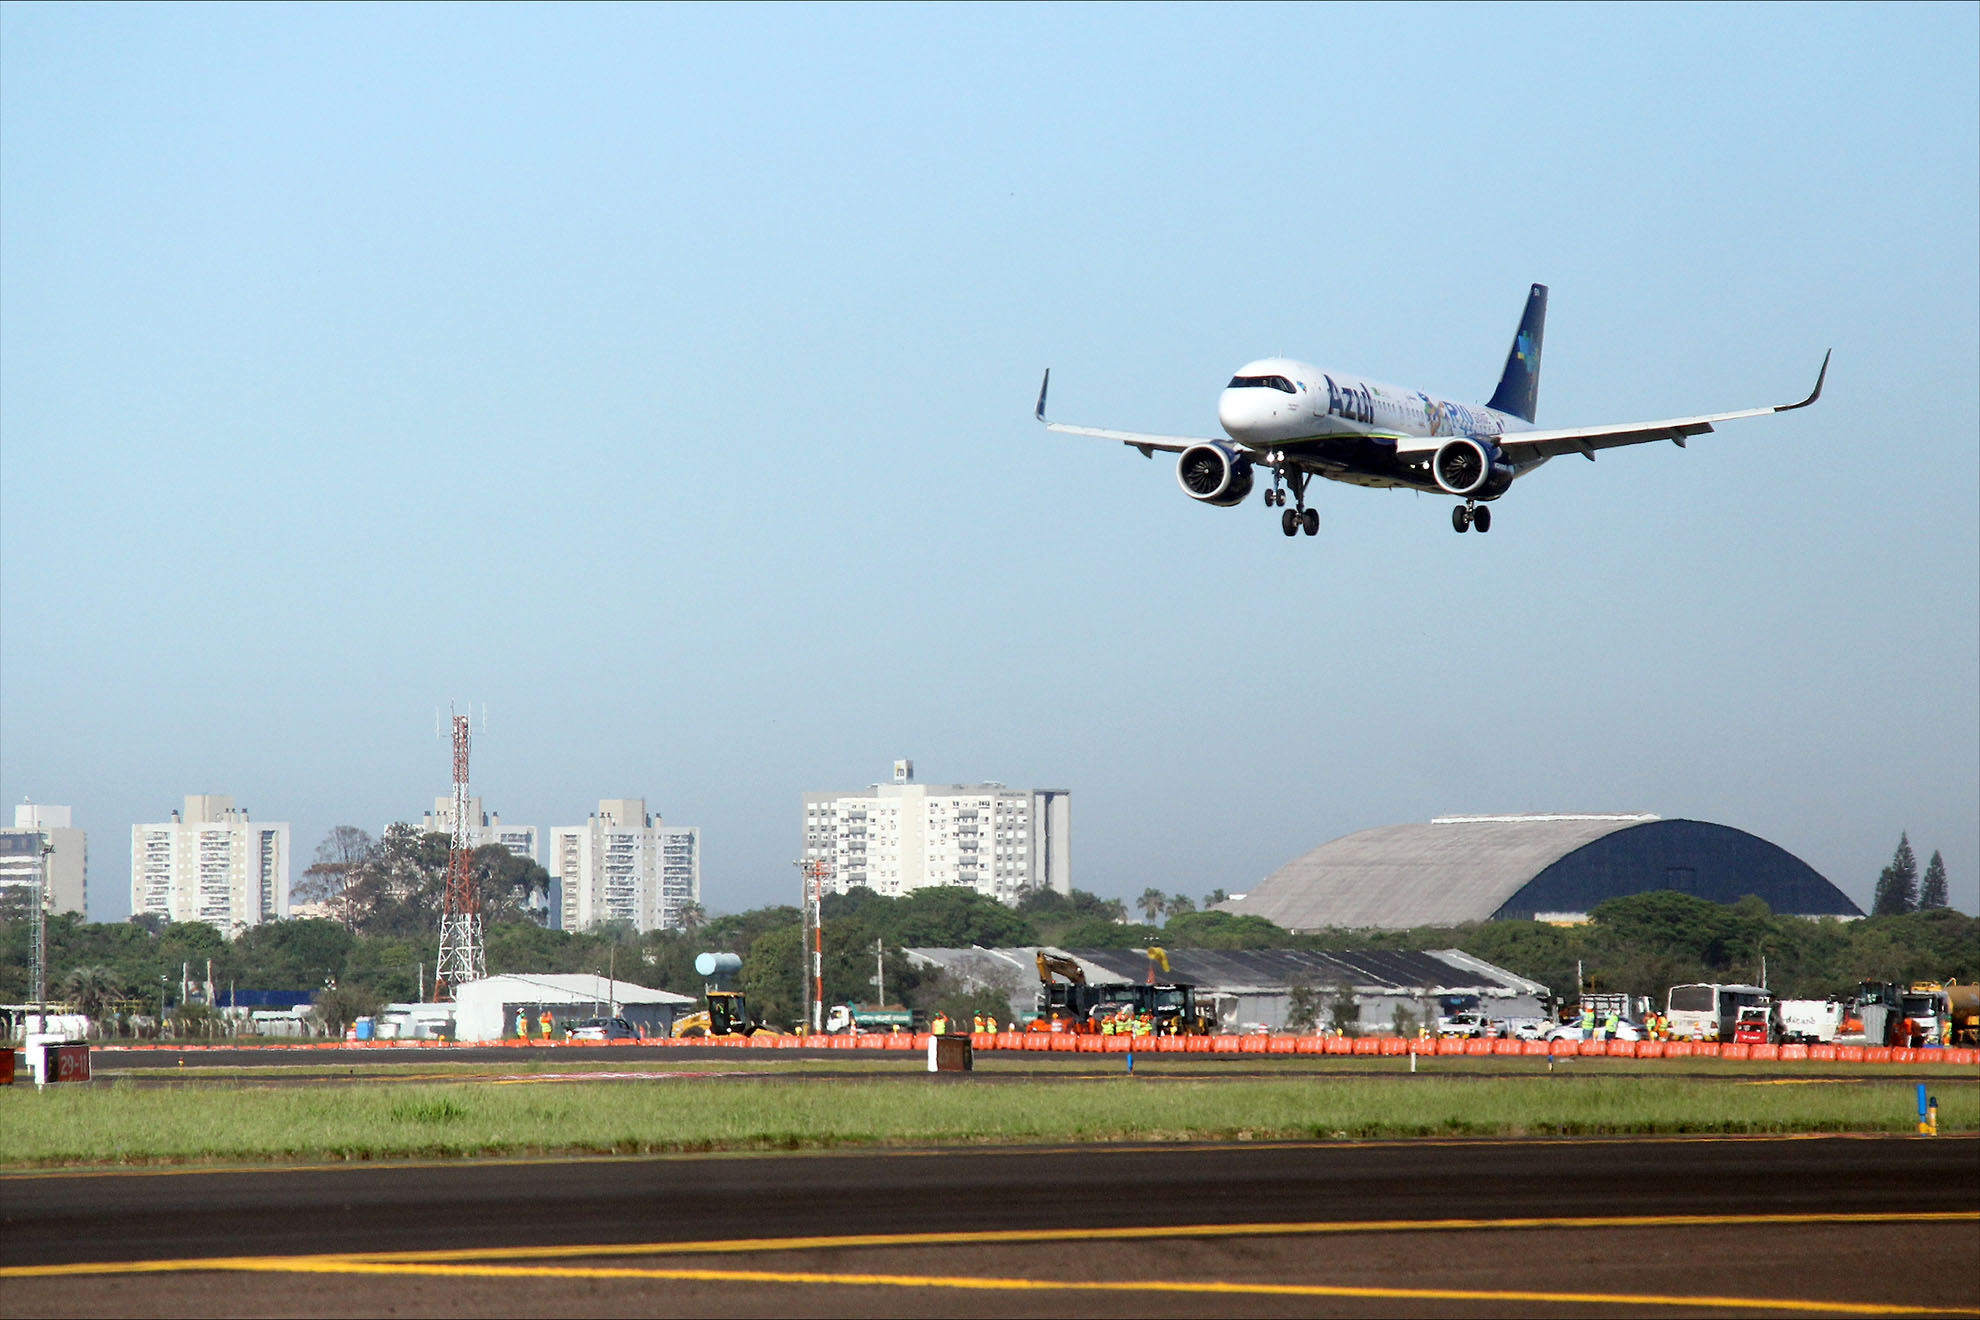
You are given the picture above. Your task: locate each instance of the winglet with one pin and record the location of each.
(1820, 376)
(1047, 384)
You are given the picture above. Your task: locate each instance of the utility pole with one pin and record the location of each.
(39, 950)
(880, 972)
(813, 975)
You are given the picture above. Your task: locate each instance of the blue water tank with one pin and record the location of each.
(717, 964)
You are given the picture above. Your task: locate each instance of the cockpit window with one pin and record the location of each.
(1261, 383)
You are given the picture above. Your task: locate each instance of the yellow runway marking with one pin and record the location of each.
(991, 1237)
(320, 1265)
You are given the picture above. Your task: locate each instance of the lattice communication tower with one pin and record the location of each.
(462, 956)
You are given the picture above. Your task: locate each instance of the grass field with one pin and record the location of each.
(669, 1109)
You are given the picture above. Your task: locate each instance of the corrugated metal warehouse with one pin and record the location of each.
(1248, 988)
(1457, 869)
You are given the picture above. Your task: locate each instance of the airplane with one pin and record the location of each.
(1300, 422)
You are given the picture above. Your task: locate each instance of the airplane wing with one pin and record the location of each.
(1585, 440)
(1147, 444)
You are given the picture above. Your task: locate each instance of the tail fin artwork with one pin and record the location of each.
(1519, 387)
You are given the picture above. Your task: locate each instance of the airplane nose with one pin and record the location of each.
(1237, 412)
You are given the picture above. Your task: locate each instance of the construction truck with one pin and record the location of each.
(724, 1011)
(1926, 1008)
(1962, 1013)
(842, 1019)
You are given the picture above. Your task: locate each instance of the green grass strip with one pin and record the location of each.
(195, 1123)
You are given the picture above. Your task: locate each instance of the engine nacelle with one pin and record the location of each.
(1215, 473)
(1476, 469)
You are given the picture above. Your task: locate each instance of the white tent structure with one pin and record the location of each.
(486, 1010)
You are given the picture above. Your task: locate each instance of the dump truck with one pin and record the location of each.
(724, 1011)
(1068, 1003)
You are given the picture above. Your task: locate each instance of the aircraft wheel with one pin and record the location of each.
(1310, 520)
(1289, 523)
(1481, 518)
(1461, 518)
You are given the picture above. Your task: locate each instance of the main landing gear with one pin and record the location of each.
(1299, 518)
(1472, 514)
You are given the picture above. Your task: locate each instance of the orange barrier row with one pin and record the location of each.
(1068, 1043)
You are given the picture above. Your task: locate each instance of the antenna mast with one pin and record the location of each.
(462, 958)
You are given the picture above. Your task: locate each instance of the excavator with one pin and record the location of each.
(1067, 1004)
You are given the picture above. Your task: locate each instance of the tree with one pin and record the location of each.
(1932, 893)
(1343, 1010)
(338, 858)
(1303, 1004)
(1214, 897)
(1897, 886)
(93, 989)
(692, 918)
(1151, 903)
(1177, 904)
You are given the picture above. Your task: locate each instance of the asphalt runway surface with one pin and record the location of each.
(1763, 1226)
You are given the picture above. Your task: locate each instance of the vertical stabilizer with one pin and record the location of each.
(1519, 387)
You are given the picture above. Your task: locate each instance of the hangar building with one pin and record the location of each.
(1248, 989)
(1458, 869)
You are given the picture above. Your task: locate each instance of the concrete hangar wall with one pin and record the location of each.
(1458, 869)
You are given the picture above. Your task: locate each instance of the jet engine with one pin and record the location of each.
(1473, 468)
(1215, 473)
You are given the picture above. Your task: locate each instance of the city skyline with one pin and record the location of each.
(663, 378)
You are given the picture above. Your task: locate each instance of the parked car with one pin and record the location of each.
(1625, 1030)
(604, 1029)
(1468, 1022)
(1528, 1028)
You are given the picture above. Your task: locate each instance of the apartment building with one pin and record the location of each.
(624, 864)
(211, 863)
(68, 865)
(898, 837)
(520, 840)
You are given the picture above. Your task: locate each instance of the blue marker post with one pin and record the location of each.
(1928, 1114)
(1130, 1058)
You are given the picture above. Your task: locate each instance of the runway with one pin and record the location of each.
(1763, 1226)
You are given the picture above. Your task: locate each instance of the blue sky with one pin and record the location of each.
(660, 379)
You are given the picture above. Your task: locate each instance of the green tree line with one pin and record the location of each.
(1639, 944)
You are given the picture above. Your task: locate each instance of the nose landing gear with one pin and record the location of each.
(1299, 518)
(1471, 514)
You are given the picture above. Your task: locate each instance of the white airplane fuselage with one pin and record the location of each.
(1343, 426)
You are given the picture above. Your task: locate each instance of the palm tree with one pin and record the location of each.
(692, 916)
(1177, 904)
(1151, 903)
(93, 989)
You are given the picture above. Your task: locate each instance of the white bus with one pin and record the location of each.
(1708, 1012)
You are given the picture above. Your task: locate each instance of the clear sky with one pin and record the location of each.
(660, 378)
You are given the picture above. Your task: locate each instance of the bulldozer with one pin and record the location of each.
(724, 1011)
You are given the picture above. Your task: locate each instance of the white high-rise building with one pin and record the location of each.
(212, 864)
(899, 837)
(624, 864)
(68, 865)
(518, 839)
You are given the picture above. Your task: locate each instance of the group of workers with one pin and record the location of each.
(982, 1024)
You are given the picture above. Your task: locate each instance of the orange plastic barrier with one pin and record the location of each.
(1170, 1044)
(763, 1040)
(1763, 1051)
(1848, 1053)
(1284, 1045)
(1903, 1054)
(1338, 1045)
(1876, 1053)
(1224, 1044)
(1310, 1045)
(1503, 1046)
(1734, 1050)
(1477, 1045)
(1063, 1042)
(1010, 1040)
(1090, 1044)
(1826, 1053)
(1254, 1044)
(1037, 1040)
(1395, 1045)
(1794, 1051)
(1650, 1049)
(1199, 1044)
(1961, 1054)
(1116, 1044)
(900, 1040)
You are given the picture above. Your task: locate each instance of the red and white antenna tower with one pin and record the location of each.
(462, 957)
(815, 872)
